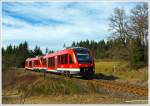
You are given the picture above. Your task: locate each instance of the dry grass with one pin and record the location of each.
(27, 87)
(74, 99)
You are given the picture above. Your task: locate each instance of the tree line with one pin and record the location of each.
(128, 41)
(15, 56)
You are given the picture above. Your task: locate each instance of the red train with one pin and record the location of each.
(72, 62)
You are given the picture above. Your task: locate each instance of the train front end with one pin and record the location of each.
(85, 62)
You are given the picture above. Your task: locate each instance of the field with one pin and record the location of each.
(25, 87)
(120, 70)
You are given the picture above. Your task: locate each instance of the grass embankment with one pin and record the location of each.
(120, 69)
(26, 87)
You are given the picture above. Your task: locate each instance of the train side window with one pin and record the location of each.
(51, 62)
(30, 63)
(70, 59)
(63, 61)
(33, 62)
(59, 59)
(36, 62)
(43, 61)
(66, 59)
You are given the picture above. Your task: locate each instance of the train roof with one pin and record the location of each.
(33, 58)
(78, 48)
(67, 50)
(58, 52)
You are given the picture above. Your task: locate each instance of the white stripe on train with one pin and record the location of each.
(76, 70)
(36, 68)
(60, 70)
(69, 69)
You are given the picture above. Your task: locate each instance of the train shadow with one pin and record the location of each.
(101, 76)
(98, 76)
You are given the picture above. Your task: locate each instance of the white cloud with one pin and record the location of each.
(80, 21)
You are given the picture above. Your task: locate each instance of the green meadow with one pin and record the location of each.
(121, 70)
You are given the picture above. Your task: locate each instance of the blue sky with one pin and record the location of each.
(51, 24)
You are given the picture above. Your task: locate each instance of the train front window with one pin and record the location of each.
(82, 55)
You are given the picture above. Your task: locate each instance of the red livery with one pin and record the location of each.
(73, 61)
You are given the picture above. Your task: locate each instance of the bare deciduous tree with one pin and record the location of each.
(139, 22)
(119, 25)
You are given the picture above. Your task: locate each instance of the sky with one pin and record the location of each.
(51, 24)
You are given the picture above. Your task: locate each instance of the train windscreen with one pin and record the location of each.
(83, 56)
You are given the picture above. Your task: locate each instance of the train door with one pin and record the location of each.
(51, 63)
(30, 64)
(70, 61)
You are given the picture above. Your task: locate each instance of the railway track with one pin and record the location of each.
(122, 87)
(115, 86)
